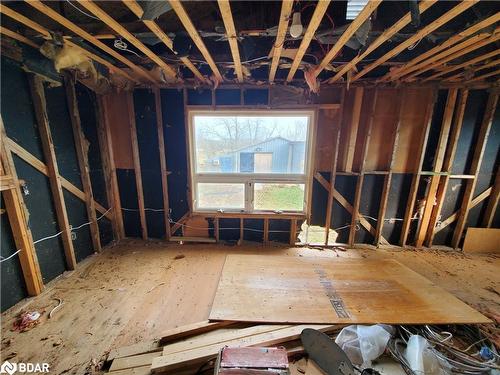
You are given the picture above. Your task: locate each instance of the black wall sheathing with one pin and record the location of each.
(199, 97)
(346, 186)
(88, 117)
(228, 97)
(396, 206)
(149, 156)
(77, 215)
(229, 229)
(319, 201)
(105, 229)
(279, 230)
(256, 96)
(17, 109)
(435, 130)
(128, 199)
(253, 230)
(172, 102)
(42, 220)
(473, 116)
(369, 205)
(13, 288)
(62, 134)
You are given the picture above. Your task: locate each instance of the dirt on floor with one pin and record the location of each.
(136, 290)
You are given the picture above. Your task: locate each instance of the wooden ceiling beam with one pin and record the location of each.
(227, 18)
(18, 37)
(195, 36)
(466, 64)
(478, 69)
(317, 16)
(386, 35)
(407, 67)
(46, 34)
(91, 6)
(361, 18)
(484, 76)
(48, 11)
(463, 50)
(135, 8)
(286, 10)
(452, 13)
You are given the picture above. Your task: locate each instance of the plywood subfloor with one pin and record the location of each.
(134, 291)
(276, 289)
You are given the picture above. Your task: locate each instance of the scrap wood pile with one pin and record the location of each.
(191, 349)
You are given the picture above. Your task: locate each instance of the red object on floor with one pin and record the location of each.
(252, 361)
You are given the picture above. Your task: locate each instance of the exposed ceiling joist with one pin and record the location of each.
(387, 34)
(18, 37)
(286, 10)
(195, 36)
(48, 11)
(466, 64)
(465, 49)
(484, 76)
(46, 34)
(452, 13)
(119, 29)
(477, 69)
(362, 17)
(424, 58)
(227, 17)
(317, 16)
(153, 26)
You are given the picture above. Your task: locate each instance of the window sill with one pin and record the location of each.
(250, 215)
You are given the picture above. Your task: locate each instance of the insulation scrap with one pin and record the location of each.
(26, 321)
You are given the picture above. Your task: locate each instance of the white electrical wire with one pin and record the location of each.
(81, 11)
(123, 46)
(56, 235)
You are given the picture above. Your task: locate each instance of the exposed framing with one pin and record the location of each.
(286, 10)
(232, 37)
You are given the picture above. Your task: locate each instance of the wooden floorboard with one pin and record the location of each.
(275, 289)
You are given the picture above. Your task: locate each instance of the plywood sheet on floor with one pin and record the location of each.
(325, 290)
(482, 240)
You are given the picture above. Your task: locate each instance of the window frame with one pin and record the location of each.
(250, 179)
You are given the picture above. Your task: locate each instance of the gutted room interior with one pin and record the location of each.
(250, 187)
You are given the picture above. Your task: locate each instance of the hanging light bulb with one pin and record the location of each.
(296, 28)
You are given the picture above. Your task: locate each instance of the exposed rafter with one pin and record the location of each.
(462, 50)
(362, 17)
(227, 17)
(119, 29)
(478, 69)
(152, 25)
(407, 68)
(18, 37)
(484, 76)
(466, 64)
(387, 34)
(195, 36)
(455, 11)
(317, 16)
(286, 10)
(46, 34)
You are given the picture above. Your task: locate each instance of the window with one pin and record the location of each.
(250, 161)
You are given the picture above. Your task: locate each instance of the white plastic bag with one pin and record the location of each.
(363, 344)
(421, 358)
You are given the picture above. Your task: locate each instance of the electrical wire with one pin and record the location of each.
(56, 235)
(81, 11)
(123, 46)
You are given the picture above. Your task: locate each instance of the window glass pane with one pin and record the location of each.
(217, 196)
(279, 197)
(250, 144)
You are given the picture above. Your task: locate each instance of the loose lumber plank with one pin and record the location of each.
(137, 165)
(39, 104)
(452, 13)
(138, 360)
(286, 10)
(332, 290)
(319, 12)
(360, 19)
(144, 370)
(232, 37)
(482, 240)
(17, 214)
(195, 36)
(475, 167)
(83, 161)
(197, 356)
(134, 349)
(48, 11)
(120, 30)
(386, 35)
(190, 330)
